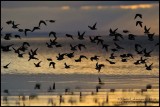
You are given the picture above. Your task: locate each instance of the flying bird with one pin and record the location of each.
(146, 30)
(52, 64)
(53, 33)
(38, 64)
(9, 22)
(93, 27)
(81, 36)
(125, 31)
(139, 23)
(148, 67)
(67, 66)
(42, 22)
(27, 30)
(110, 61)
(100, 81)
(35, 28)
(34, 52)
(99, 67)
(150, 36)
(17, 36)
(138, 15)
(96, 58)
(37, 86)
(70, 36)
(112, 56)
(6, 66)
(112, 32)
(51, 21)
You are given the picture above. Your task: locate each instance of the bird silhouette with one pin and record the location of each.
(37, 86)
(93, 27)
(31, 56)
(137, 62)
(150, 36)
(35, 28)
(20, 30)
(6, 66)
(27, 30)
(42, 22)
(26, 43)
(53, 33)
(147, 54)
(67, 66)
(146, 30)
(80, 58)
(129, 55)
(52, 64)
(112, 32)
(34, 52)
(112, 56)
(54, 86)
(92, 40)
(99, 66)
(110, 61)
(105, 46)
(70, 55)
(125, 31)
(9, 22)
(80, 46)
(142, 61)
(38, 64)
(51, 21)
(97, 89)
(49, 59)
(138, 15)
(96, 58)
(7, 36)
(117, 46)
(131, 37)
(100, 81)
(17, 36)
(148, 67)
(58, 45)
(60, 56)
(139, 23)
(73, 48)
(81, 36)
(70, 36)
(14, 26)
(123, 60)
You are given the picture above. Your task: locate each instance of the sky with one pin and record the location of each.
(73, 16)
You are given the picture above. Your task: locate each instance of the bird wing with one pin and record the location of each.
(94, 25)
(41, 21)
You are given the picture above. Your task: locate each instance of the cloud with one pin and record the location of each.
(65, 7)
(132, 7)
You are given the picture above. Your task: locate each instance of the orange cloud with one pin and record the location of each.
(65, 7)
(133, 7)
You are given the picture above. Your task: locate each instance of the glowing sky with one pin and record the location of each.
(73, 16)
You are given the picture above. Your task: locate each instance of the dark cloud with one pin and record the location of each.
(16, 4)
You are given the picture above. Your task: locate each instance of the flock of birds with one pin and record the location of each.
(93, 39)
(96, 39)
